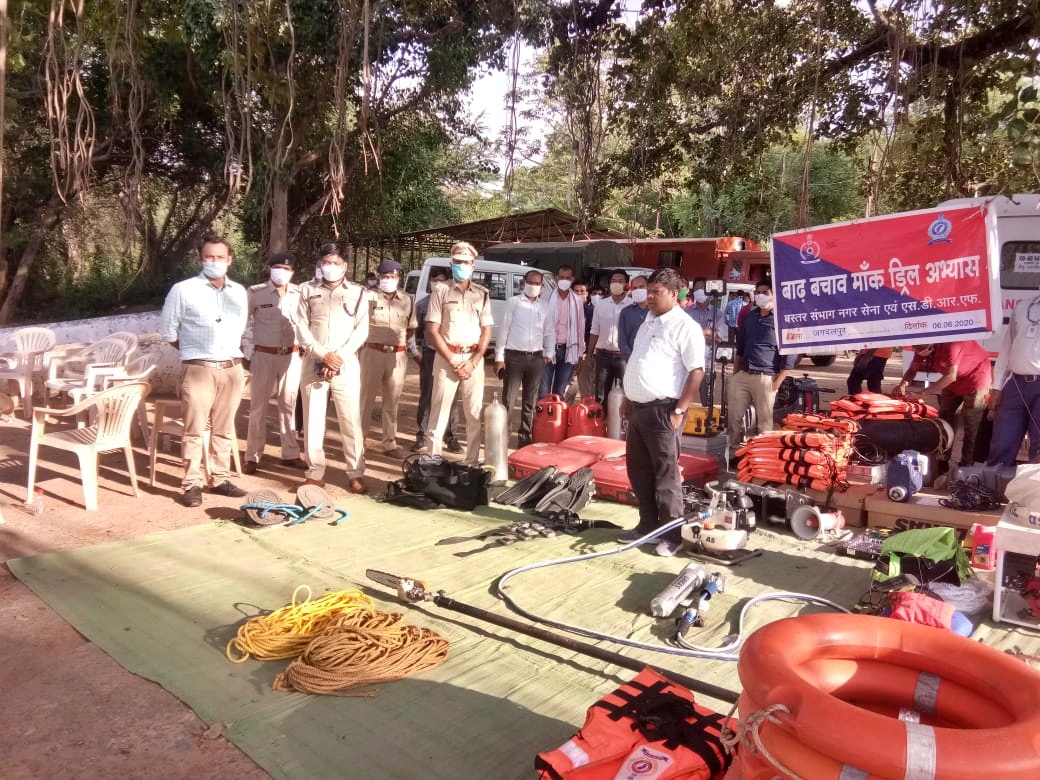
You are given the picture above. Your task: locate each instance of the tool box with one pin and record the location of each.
(527, 460)
(697, 420)
(600, 446)
(613, 484)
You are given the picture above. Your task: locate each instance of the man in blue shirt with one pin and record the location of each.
(204, 318)
(632, 317)
(758, 366)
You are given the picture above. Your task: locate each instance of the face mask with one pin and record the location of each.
(763, 301)
(461, 272)
(281, 276)
(214, 270)
(532, 290)
(388, 285)
(639, 295)
(617, 288)
(564, 284)
(699, 296)
(333, 273)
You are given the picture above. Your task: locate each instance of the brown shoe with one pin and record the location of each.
(318, 482)
(357, 485)
(397, 453)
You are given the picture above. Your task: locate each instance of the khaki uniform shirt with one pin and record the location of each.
(460, 316)
(332, 320)
(390, 318)
(272, 314)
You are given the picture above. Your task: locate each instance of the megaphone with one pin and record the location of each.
(808, 522)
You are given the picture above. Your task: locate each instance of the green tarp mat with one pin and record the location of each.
(165, 605)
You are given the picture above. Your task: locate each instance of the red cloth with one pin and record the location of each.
(974, 371)
(921, 608)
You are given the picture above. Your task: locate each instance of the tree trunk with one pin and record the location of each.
(12, 296)
(279, 238)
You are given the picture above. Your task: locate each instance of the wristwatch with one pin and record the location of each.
(680, 412)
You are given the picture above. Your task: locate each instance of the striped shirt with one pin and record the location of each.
(206, 321)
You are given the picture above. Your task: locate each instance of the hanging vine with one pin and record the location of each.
(348, 16)
(238, 93)
(70, 119)
(124, 67)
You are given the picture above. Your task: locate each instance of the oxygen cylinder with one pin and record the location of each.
(496, 440)
(614, 399)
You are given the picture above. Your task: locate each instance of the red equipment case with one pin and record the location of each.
(600, 446)
(612, 483)
(527, 460)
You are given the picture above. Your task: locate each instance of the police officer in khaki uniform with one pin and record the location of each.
(275, 364)
(384, 363)
(331, 326)
(458, 326)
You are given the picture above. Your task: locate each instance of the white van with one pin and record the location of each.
(503, 280)
(411, 282)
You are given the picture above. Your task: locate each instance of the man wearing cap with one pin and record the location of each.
(204, 318)
(391, 323)
(458, 325)
(332, 325)
(425, 359)
(275, 364)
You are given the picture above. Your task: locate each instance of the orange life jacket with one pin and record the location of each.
(648, 729)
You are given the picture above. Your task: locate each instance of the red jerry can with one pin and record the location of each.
(550, 420)
(586, 418)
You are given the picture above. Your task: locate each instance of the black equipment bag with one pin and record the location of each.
(452, 484)
(796, 396)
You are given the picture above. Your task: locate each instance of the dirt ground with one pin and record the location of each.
(70, 711)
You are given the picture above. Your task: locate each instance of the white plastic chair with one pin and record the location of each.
(169, 421)
(114, 411)
(81, 373)
(138, 370)
(128, 338)
(21, 358)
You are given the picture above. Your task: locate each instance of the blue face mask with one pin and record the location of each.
(461, 272)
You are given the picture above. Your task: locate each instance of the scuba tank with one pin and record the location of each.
(496, 440)
(614, 399)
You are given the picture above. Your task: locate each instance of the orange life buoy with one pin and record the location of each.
(806, 668)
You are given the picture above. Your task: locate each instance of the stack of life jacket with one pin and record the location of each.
(810, 451)
(649, 727)
(877, 406)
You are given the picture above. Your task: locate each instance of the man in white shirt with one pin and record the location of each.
(1014, 397)
(525, 346)
(662, 379)
(603, 339)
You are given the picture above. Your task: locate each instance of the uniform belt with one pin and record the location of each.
(658, 402)
(759, 373)
(521, 352)
(1026, 377)
(463, 350)
(276, 350)
(214, 363)
(610, 352)
(385, 347)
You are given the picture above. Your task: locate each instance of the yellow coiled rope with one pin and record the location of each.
(285, 632)
(361, 648)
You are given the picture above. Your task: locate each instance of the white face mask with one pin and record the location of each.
(617, 288)
(564, 284)
(699, 296)
(281, 276)
(532, 290)
(214, 270)
(388, 285)
(763, 301)
(639, 295)
(333, 273)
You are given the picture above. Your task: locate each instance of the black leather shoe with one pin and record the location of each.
(226, 488)
(294, 463)
(419, 446)
(453, 446)
(192, 496)
(249, 467)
